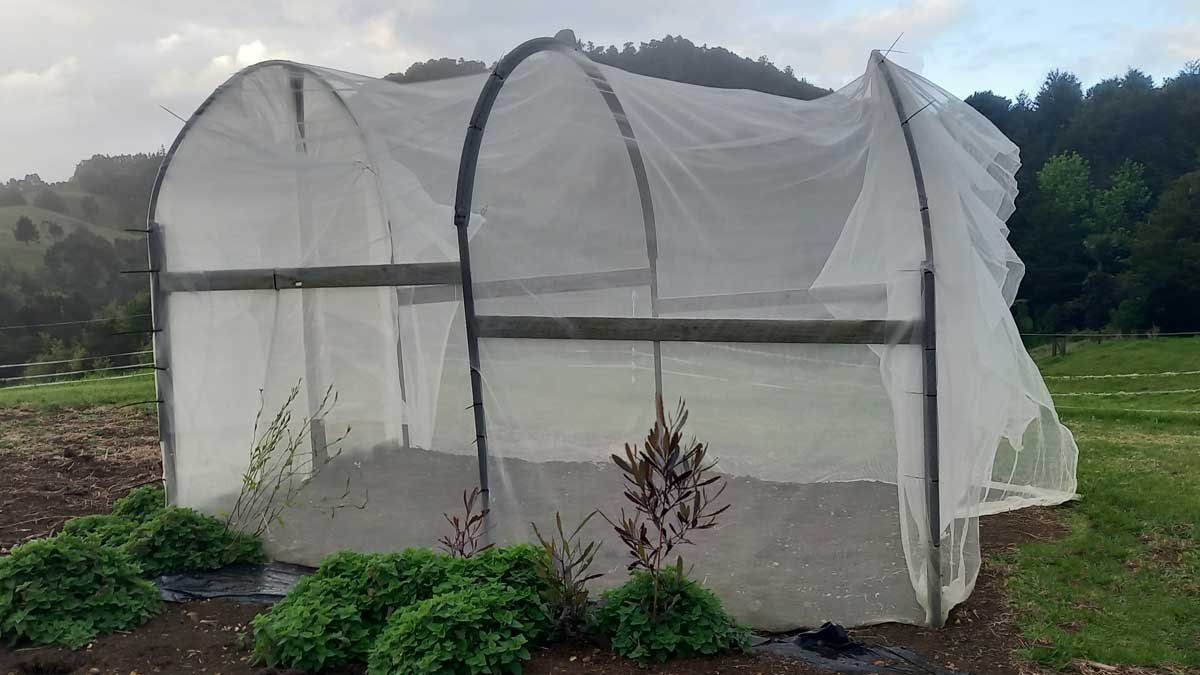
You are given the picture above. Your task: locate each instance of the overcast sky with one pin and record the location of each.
(79, 77)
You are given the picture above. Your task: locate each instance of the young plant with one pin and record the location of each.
(180, 539)
(690, 620)
(673, 492)
(141, 505)
(564, 572)
(469, 530)
(279, 468)
(67, 590)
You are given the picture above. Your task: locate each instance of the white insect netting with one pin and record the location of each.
(763, 207)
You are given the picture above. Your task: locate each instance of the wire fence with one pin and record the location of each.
(33, 326)
(62, 382)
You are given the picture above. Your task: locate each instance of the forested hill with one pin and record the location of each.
(671, 58)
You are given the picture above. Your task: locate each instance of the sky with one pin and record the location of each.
(80, 77)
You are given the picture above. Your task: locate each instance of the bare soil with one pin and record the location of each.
(59, 464)
(55, 465)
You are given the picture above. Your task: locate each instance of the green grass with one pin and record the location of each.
(81, 393)
(1123, 587)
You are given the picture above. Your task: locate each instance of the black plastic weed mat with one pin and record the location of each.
(244, 583)
(831, 648)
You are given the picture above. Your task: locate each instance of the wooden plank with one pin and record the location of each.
(512, 288)
(217, 280)
(700, 330)
(344, 276)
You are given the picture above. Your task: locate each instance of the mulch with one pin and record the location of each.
(55, 465)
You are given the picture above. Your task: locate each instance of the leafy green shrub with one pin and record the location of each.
(465, 632)
(104, 530)
(357, 590)
(180, 539)
(68, 589)
(690, 619)
(141, 504)
(316, 626)
(349, 600)
(381, 583)
(516, 567)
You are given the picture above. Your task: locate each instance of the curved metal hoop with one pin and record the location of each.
(466, 188)
(156, 255)
(933, 506)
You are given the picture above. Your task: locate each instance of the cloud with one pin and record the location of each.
(182, 81)
(833, 50)
(168, 42)
(93, 74)
(53, 80)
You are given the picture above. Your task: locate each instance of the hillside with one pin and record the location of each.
(1158, 376)
(28, 257)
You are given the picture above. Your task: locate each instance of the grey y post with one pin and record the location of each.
(316, 426)
(162, 373)
(929, 360)
(563, 43)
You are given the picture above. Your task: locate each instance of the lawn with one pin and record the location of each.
(1123, 587)
(121, 390)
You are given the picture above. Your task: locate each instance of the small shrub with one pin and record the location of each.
(564, 573)
(352, 596)
(673, 491)
(515, 567)
(467, 535)
(358, 591)
(280, 465)
(141, 504)
(104, 530)
(180, 539)
(316, 626)
(690, 619)
(67, 589)
(382, 583)
(466, 632)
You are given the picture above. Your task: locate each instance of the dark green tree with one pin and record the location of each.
(25, 231)
(994, 107)
(438, 69)
(679, 59)
(1166, 258)
(90, 207)
(51, 201)
(11, 196)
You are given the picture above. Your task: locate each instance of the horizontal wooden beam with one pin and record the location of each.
(754, 299)
(344, 276)
(512, 288)
(765, 331)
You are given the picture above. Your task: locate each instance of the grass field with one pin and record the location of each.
(1123, 586)
(79, 393)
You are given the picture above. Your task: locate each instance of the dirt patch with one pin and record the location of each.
(55, 465)
(981, 636)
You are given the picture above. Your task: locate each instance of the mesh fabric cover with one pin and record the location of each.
(763, 207)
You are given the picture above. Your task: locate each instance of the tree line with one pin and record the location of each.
(1108, 215)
